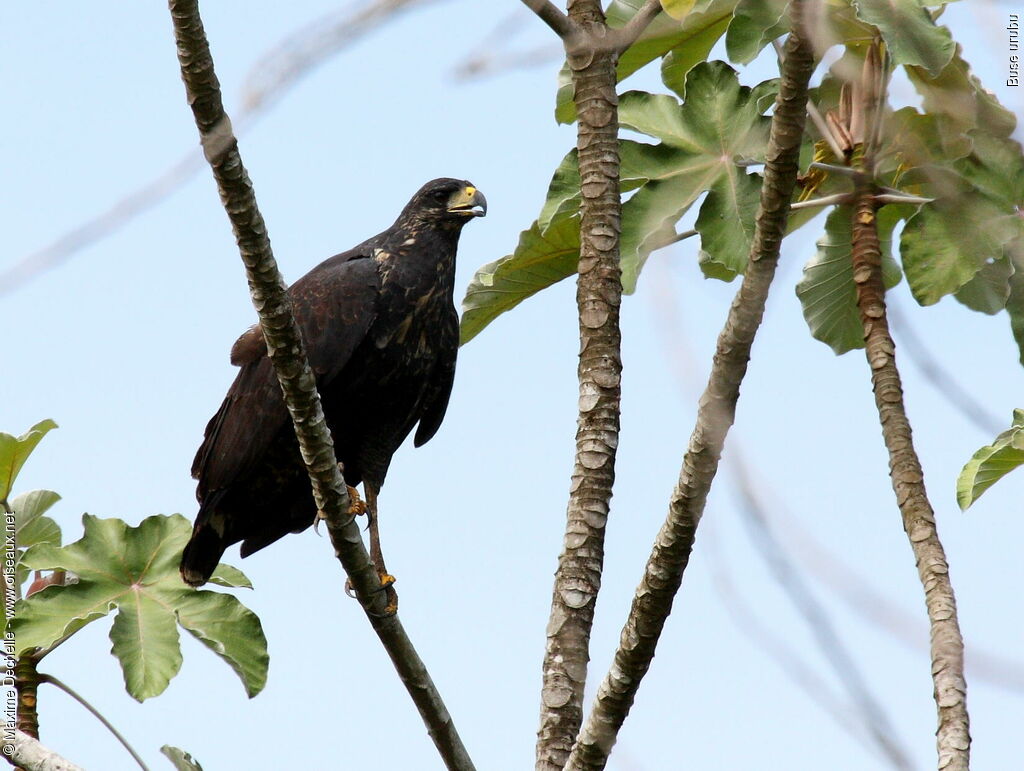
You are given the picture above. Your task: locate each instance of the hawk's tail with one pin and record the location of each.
(203, 551)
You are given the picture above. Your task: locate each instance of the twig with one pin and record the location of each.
(947, 648)
(287, 354)
(45, 678)
(913, 200)
(552, 16)
(831, 168)
(828, 200)
(670, 555)
(30, 755)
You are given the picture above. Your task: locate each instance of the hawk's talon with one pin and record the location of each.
(356, 507)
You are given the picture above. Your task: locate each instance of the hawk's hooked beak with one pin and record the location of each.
(469, 201)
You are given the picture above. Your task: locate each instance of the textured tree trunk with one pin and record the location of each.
(598, 294)
(947, 647)
(670, 555)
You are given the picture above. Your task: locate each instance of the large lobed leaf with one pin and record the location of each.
(705, 144)
(134, 570)
(14, 451)
(992, 462)
(956, 93)
(32, 527)
(540, 260)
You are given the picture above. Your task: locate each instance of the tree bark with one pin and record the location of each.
(598, 295)
(287, 354)
(30, 755)
(947, 648)
(670, 555)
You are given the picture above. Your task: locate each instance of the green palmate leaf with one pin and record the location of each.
(827, 291)
(995, 168)
(694, 36)
(134, 570)
(648, 222)
(180, 759)
(145, 634)
(540, 260)
(913, 140)
(721, 119)
(15, 450)
(31, 527)
(910, 34)
(991, 463)
(232, 577)
(947, 242)
(638, 163)
(726, 225)
(704, 142)
(678, 62)
(226, 626)
(720, 123)
(957, 94)
(755, 24)
(989, 290)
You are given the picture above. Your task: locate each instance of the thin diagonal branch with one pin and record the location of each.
(45, 678)
(552, 16)
(947, 647)
(664, 570)
(287, 354)
(30, 755)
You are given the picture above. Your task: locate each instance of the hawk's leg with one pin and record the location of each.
(376, 557)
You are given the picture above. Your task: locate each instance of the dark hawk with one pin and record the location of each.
(381, 333)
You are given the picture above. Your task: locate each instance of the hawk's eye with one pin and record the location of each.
(441, 195)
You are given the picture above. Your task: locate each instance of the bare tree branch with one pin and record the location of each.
(552, 16)
(287, 354)
(670, 555)
(30, 755)
(947, 647)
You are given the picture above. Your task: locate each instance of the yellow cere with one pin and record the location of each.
(470, 190)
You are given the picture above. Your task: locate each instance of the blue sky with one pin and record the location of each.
(126, 345)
